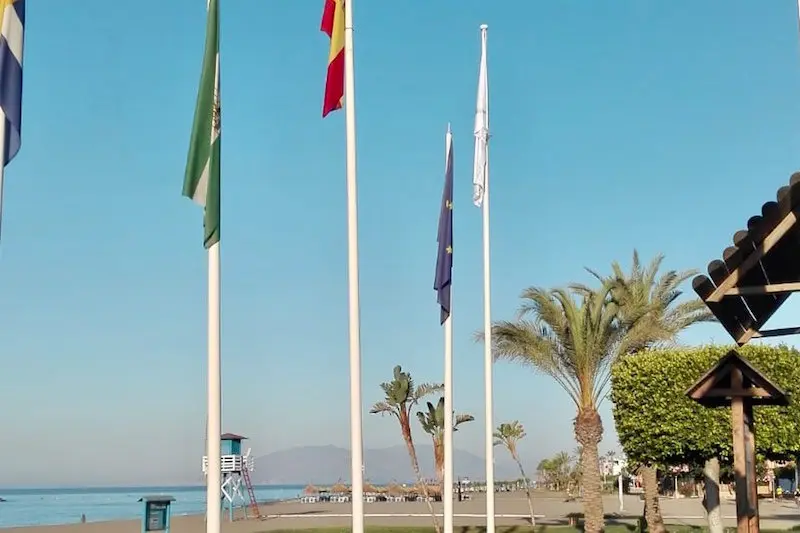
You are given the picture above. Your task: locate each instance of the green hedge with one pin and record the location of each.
(658, 424)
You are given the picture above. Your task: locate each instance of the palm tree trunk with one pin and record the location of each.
(652, 510)
(528, 488)
(588, 433)
(711, 496)
(412, 454)
(438, 461)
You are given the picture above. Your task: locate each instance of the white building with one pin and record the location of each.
(613, 466)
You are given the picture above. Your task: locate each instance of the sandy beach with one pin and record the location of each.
(511, 509)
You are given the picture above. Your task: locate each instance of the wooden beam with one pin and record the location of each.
(709, 383)
(765, 289)
(777, 332)
(752, 392)
(752, 260)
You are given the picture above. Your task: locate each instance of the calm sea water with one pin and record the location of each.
(33, 507)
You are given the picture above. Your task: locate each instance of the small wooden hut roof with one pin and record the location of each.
(756, 275)
(714, 388)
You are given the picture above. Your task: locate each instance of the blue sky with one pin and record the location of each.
(656, 125)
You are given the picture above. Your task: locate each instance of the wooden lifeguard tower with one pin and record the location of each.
(236, 468)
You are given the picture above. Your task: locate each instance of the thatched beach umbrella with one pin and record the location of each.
(369, 487)
(393, 489)
(340, 488)
(433, 490)
(310, 489)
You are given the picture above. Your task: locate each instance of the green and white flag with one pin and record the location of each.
(201, 182)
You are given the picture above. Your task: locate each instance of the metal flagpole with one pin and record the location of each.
(488, 365)
(481, 181)
(214, 430)
(356, 440)
(447, 496)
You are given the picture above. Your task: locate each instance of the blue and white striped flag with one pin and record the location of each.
(12, 24)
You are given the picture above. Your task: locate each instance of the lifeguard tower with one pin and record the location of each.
(236, 468)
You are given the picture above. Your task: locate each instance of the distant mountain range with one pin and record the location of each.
(328, 464)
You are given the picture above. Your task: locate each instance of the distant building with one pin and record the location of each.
(613, 466)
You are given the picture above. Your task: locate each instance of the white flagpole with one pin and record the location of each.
(214, 420)
(481, 198)
(447, 496)
(214, 426)
(487, 363)
(356, 440)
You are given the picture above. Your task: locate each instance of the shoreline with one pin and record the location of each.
(238, 511)
(511, 510)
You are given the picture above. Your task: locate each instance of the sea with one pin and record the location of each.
(37, 507)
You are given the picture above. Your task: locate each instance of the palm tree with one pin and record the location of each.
(609, 460)
(648, 306)
(401, 395)
(648, 303)
(556, 470)
(508, 434)
(432, 423)
(575, 471)
(571, 336)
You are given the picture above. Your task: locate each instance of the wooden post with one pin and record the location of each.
(739, 468)
(750, 464)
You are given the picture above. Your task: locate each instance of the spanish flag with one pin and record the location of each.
(333, 26)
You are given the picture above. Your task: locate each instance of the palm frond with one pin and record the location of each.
(383, 408)
(462, 419)
(426, 389)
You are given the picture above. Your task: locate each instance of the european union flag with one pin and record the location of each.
(444, 259)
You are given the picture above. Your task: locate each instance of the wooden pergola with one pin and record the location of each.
(758, 273)
(743, 290)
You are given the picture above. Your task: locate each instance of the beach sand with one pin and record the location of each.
(511, 510)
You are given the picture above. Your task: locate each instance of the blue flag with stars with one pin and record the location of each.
(444, 258)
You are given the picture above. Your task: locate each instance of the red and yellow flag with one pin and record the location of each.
(333, 26)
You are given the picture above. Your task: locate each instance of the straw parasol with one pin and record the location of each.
(310, 489)
(340, 488)
(410, 490)
(369, 487)
(433, 490)
(393, 489)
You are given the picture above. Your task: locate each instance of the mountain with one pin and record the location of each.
(327, 464)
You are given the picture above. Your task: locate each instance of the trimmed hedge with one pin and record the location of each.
(658, 424)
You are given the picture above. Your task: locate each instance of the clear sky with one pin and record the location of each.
(657, 125)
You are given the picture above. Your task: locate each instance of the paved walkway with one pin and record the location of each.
(511, 509)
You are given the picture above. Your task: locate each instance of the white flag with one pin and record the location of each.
(481, 129)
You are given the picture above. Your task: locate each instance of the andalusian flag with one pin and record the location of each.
(333, 26)
(201, 182)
